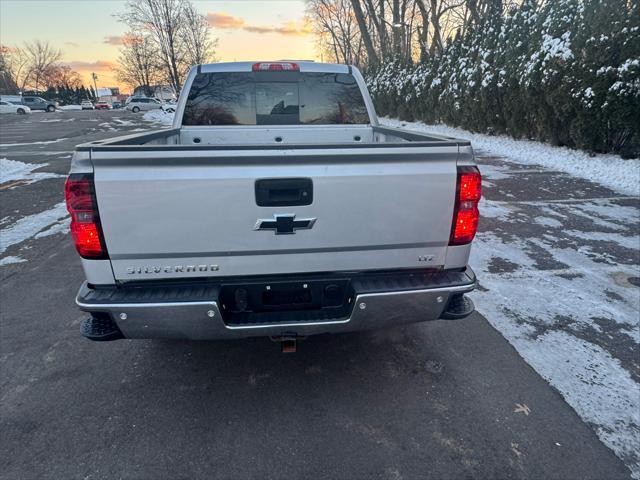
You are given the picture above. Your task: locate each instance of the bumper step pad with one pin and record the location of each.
(459, 306)
(100, 329)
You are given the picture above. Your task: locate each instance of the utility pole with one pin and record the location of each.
(95, 85)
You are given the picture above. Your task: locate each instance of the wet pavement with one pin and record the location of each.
(558, 258)
(556, 264)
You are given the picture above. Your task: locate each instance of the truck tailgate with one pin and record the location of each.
(194, 213)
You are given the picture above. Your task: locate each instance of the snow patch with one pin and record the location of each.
(124, 123)
(61, 226)
(159, 116)
(610, 171)
(108, 126)
(11, 170)
(548, 222)
(604, 209)
(27, 227)
(540, 322)
(32, 143)
(493, 172)
(493, 209)
(632, 242)
(70, 107)
(10, 260)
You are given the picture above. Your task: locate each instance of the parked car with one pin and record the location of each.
(87, 105)
(103, 106)
(169, 107)
(276, 206)
(39, 103)
(15, 99)
(8, 107)
(116, 104)
(136, 104)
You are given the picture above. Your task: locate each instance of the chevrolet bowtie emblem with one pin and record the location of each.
(284, 224)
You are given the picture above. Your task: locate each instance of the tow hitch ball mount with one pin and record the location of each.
(288, 342)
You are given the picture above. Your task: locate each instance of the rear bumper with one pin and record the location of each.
(192, 311)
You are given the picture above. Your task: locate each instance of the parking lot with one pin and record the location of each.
(431, 400)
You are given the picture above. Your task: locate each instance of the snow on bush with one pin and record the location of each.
(565, 72)
(608, 170)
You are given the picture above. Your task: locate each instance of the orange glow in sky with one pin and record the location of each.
(89, 34)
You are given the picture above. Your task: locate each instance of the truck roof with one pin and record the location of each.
(304, 66)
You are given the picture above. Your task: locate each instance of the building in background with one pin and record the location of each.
(110, 95)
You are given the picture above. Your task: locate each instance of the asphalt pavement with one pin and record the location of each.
(430, 400)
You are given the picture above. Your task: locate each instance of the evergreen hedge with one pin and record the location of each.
(566, 72)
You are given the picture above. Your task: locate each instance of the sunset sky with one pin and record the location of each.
(88, 33)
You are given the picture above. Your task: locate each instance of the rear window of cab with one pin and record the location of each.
(274, 98)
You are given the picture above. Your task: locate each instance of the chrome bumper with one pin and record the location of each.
(200, 318)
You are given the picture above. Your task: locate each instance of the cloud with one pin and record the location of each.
(114, 39)
(97, 66)
(222, 20)
(287, 28)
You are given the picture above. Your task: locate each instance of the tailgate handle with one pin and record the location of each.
(284, 192)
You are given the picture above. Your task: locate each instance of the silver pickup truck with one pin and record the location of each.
(275, 206)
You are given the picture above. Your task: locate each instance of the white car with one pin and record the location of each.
(136, 104)
(8, 107)
(87, 105)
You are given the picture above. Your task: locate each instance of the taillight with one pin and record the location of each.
(275, 66)
(465, 213)
(86, 231)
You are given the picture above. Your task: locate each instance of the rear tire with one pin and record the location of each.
(20, 111)
(135, 109)
(51, 108)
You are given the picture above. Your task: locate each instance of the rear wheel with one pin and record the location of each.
(51, 108)
(21, 111)
(135, 109)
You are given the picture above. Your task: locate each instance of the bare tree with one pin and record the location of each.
(138, 63)
(32, 66)
(375, 13)
(162, 19)
(338, 34)
(372, 55)
(392, 29)
(8, 84)
(423, 30)
(41, 58)
(61, 75)
(195, 36)
(179, 32)
(15, 69)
